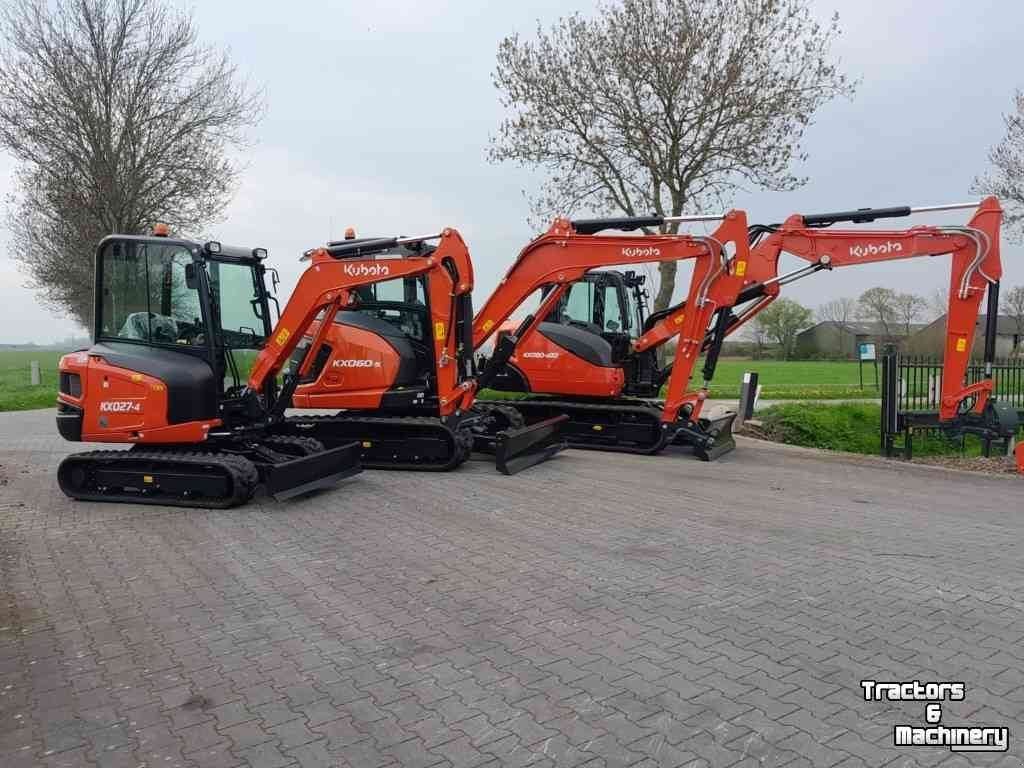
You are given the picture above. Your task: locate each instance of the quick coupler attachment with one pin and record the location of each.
(516, 449)
(313, 472)
(997, 422)
(710, 438)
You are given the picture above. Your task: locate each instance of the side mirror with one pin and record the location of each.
(191, 276)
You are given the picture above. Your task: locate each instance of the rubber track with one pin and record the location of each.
(307, 446)
(649, 409)
(460, 441)
(513, 418)
(242, 472)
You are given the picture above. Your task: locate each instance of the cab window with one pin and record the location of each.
(614, 322)
(578, 304)
(145, 294)
(401, 302)
(401, 290)
(236, 301)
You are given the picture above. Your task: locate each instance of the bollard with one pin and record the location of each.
(34, 367)
(749, 391)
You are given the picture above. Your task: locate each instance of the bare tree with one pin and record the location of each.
(840, 311)
(664, 105)
(908, 308)
(118, 117)
(879, 305)
(781, 321)
(938, 302)
(1013, 305)
(1006, 180)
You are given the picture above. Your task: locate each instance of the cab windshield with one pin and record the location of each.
(145, 294)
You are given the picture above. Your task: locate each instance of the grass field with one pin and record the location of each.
(794, 380)
(16, 391)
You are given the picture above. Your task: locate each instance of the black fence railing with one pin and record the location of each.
(912, 390)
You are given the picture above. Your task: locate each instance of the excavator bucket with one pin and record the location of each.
(517, 449)
(713, 437)
(313, 472)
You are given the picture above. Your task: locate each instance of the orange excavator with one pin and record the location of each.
(185, 363)
(399, 374)
(175, 324)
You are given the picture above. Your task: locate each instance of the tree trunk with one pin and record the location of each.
(666, 284)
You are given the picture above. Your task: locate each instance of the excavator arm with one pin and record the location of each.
(975, 272)
(326, 287)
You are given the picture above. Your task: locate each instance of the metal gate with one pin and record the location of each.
(912, 389)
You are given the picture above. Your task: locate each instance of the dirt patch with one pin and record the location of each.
(993, 465)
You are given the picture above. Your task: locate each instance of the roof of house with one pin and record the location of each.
(869, 328)
(1006, 325)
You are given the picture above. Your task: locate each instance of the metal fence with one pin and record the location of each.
(912, 390)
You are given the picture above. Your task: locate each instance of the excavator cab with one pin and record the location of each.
(608, 304)
(190, 315)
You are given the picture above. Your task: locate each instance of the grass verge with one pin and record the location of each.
(851, 427)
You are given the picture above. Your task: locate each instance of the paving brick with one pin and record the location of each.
(265, 756)
(293, 733)
(412, 754)
(200, 736)
(246, 734)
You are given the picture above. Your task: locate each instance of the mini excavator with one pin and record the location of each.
(381, 330)
(175, 324)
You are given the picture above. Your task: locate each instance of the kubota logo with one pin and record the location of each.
(366, 270)
(648, 252)
(540, 355)
(356, 364)
(860, 251)
(120, 406)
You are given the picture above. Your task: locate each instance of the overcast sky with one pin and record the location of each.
(379, 114)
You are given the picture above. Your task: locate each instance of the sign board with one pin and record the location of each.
(867, 351)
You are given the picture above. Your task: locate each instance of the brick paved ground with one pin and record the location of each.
(598, 610)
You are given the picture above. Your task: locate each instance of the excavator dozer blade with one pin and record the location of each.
(712, 438)
(516, 449)
(310, 473)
